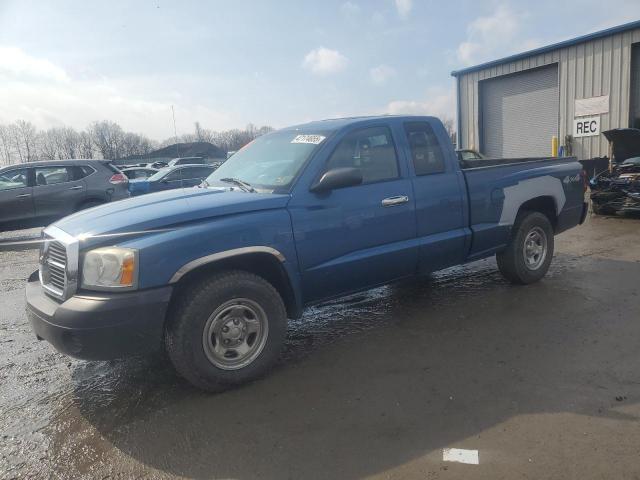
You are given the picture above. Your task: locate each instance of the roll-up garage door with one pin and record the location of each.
(519, 113)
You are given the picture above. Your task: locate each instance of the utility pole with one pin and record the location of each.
(175, 131)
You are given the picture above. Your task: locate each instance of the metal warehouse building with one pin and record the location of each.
(573, 90)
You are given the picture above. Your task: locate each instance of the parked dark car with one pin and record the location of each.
(38, 192)
(181, 176)
(617, 190)
(469, 154)
(134, 173)
(187, 161)
(157, 165)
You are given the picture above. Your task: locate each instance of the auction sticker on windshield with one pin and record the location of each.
(314, 139)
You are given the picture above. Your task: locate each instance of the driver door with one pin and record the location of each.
(356, 237)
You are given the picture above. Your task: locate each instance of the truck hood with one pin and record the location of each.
(167, 209)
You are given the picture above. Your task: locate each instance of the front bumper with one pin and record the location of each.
(97, 325)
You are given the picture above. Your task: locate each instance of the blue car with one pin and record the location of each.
(169, 178)
(298, 216)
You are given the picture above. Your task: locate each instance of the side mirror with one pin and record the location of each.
(337, 178)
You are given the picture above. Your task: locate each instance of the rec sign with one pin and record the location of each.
(586, 126)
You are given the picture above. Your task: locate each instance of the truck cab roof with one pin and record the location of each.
(335, 124)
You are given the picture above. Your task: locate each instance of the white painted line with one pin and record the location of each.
(460, 455)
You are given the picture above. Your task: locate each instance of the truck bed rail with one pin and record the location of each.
(502, 162)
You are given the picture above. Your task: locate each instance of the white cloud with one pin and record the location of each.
(324, 61)
(439, 102)
(14, 63)
(404, 7)
(350, 9)
(381, 74)
(39, 91)
(486, 36)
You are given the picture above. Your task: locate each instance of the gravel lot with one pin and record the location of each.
(543, 380)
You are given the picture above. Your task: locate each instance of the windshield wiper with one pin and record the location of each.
(236, 181)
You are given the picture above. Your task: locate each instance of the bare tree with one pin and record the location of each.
(24, 137)
(85, 145)
(449, 126)
(134, 144)
(22, 142)
(69, 142)
(5, 145)
(107, 136)
(49, 145)
(28, 139)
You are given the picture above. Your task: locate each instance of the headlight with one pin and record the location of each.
(110, 268)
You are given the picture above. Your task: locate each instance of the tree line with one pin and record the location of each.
(22, 142)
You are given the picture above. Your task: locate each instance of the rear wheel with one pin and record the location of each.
(226, 330)
(528, 255)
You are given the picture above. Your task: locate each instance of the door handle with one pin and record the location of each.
(24, 195)
(77, 187)
(397, 200)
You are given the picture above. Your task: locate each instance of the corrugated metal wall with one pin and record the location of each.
(597, 67)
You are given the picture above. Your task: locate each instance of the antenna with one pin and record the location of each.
(175, 131)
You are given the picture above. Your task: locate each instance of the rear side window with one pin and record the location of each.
(426, 152)
(53, 175)
(86, 170)
(371, 150)
(81, 171)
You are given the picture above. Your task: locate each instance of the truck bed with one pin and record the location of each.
(496, 186)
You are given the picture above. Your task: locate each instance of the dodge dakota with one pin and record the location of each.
(316, 211)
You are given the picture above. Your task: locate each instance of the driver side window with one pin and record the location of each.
(371, 150)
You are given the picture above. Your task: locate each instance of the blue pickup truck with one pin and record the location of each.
(311, 212)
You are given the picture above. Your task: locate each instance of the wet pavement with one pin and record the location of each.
(543, 380)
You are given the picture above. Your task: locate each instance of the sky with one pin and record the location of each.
(279, 62)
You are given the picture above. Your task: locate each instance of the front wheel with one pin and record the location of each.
(528, 255)
(225, 330)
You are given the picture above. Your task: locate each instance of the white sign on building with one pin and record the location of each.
(592, 106)
(586, 126)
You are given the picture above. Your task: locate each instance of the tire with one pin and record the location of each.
(195, 336)
(519, 264)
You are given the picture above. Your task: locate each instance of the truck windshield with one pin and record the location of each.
(269, 162)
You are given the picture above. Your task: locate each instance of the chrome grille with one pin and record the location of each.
(58, 263)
